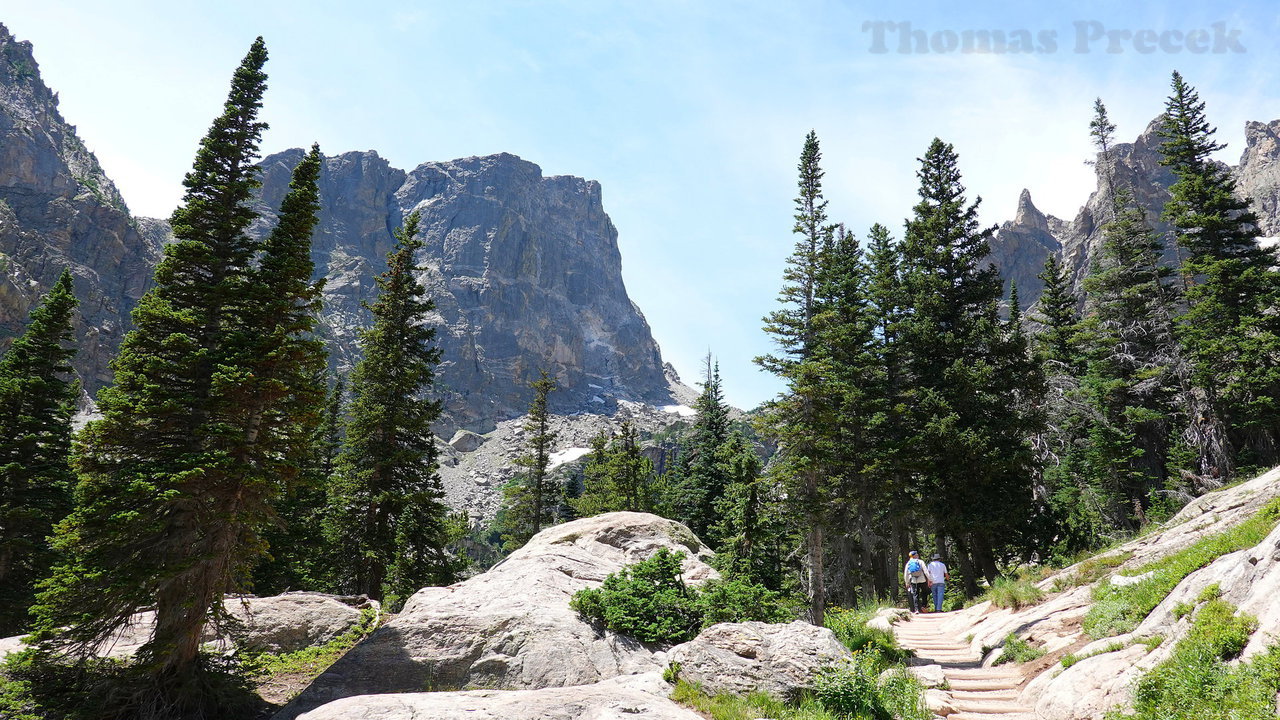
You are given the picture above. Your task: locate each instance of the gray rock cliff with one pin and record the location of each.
(525, 269)
(1021, 246)
(59, 209)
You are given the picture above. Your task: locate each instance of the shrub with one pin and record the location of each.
(852, 689)
(735, 600)
(650, 601)
(850, 627)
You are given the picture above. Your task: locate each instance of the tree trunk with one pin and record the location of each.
(817, 581)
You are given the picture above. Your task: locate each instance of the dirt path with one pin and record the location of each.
(976, 693)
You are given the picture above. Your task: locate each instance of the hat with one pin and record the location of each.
(936, 556)
(913, 553)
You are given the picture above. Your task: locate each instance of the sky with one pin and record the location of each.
(690, 114)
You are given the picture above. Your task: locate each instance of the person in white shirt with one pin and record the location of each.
(938, 577)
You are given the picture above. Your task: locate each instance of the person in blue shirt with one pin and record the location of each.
(916, 578)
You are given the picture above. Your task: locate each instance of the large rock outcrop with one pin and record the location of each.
(511, 628)
(742, 658)
(276, 624)
(639, 697)
(58, 209)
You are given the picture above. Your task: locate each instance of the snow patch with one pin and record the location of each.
(567, 455)
(681, 410)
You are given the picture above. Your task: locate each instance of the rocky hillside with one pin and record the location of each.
(59, 209)
(525, 269)
(959, 650)
(1021, 245)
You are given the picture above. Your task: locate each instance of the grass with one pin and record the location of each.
(1198, 681)
(1013, 593)
(850, 627)
(1071, 658)
(848, 690)
(755, 705)
(1017, 650)
(1091, 570)
(1119, 609)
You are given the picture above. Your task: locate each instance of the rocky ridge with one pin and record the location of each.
(58, 209)
(1021, 245)
(524, 268)
(475, 467)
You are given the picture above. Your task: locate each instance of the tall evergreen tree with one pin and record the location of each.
(616, 476)
(1059, 315)
(699, 480)
(799, 417)
(967, 429)
(386, 504)
(531, 499)
(177, 478)
(753, 523)
(37, 399)
(1230, 330)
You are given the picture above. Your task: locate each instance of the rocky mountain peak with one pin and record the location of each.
(1027, 215)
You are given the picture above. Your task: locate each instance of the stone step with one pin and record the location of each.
(982, 684)
(988, 707)
(1010, 695)
(1023, 715)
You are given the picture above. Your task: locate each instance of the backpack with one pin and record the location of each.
(916, 569)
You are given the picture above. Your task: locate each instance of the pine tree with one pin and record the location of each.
(177, 478)
(858, 401)
(531, 499)
(753, 522)
(798, 417)
(1230, 331)
(616, 477)
(699, 481)
(966, 428)
(37, 399)
(1058, 315)
(386, 506)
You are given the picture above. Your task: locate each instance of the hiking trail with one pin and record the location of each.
(976, 693)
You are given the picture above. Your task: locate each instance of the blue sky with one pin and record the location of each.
(690, 114)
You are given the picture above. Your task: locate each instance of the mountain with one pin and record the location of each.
(525, 269)
(59, 209)
(1020, 246)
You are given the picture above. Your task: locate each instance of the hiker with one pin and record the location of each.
(938, 577)
(917, 581)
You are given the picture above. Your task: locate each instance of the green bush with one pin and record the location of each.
(1198, 683)
(1013, 593)
(650, 601)
(1119, 609)
(1018, 651)
(852, 689)
(850, 627)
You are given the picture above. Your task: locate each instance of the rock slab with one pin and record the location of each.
(741, 658)
(511, 628)
(635, 697)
